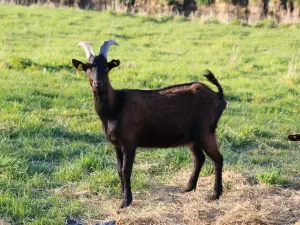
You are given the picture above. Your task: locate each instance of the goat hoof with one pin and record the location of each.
(188, 190)
(125, 204)
(214, 197)
(122, 206)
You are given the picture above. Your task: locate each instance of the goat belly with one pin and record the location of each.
(163, 138)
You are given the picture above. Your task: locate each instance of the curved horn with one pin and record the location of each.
(88, 49)
(104, 48)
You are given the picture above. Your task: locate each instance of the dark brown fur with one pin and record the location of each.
(294, 137)
(184, 114)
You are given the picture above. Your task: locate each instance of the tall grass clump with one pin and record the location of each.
(293, 73)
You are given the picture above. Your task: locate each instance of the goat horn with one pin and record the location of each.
(104, 48)
(88, 49)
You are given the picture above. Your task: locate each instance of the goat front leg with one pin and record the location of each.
(119, 154)
(128, 158)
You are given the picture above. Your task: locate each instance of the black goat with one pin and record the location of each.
(184, 114)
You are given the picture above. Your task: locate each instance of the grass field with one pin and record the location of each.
(55, 161)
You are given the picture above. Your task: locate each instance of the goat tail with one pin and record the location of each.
(211, 78)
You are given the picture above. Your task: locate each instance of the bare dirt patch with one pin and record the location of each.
(242, 203)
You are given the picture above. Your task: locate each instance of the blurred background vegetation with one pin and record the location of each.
(246, 11)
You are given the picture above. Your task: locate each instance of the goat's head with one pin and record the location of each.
(97, 66)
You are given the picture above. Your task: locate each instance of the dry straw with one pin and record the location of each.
(242, 203)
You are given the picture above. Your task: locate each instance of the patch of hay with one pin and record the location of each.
(2, 222)
(241, 203)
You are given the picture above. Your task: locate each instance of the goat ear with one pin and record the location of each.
(79, 65)
(113, 63)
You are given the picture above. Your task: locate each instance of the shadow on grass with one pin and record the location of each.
(26, 63)
(157, 20)
(56, 68)
(46, 149)
(277, 144)
(240, 97)
(123, 36)
(57, 132)
(61, 132)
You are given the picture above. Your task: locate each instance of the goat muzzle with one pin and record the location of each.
(97, 85)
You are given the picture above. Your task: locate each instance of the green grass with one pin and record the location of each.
(51, 141)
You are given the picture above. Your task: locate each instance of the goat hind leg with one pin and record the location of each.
(210, 147)
(198, 159)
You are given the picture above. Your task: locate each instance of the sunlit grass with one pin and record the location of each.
(51, 140)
